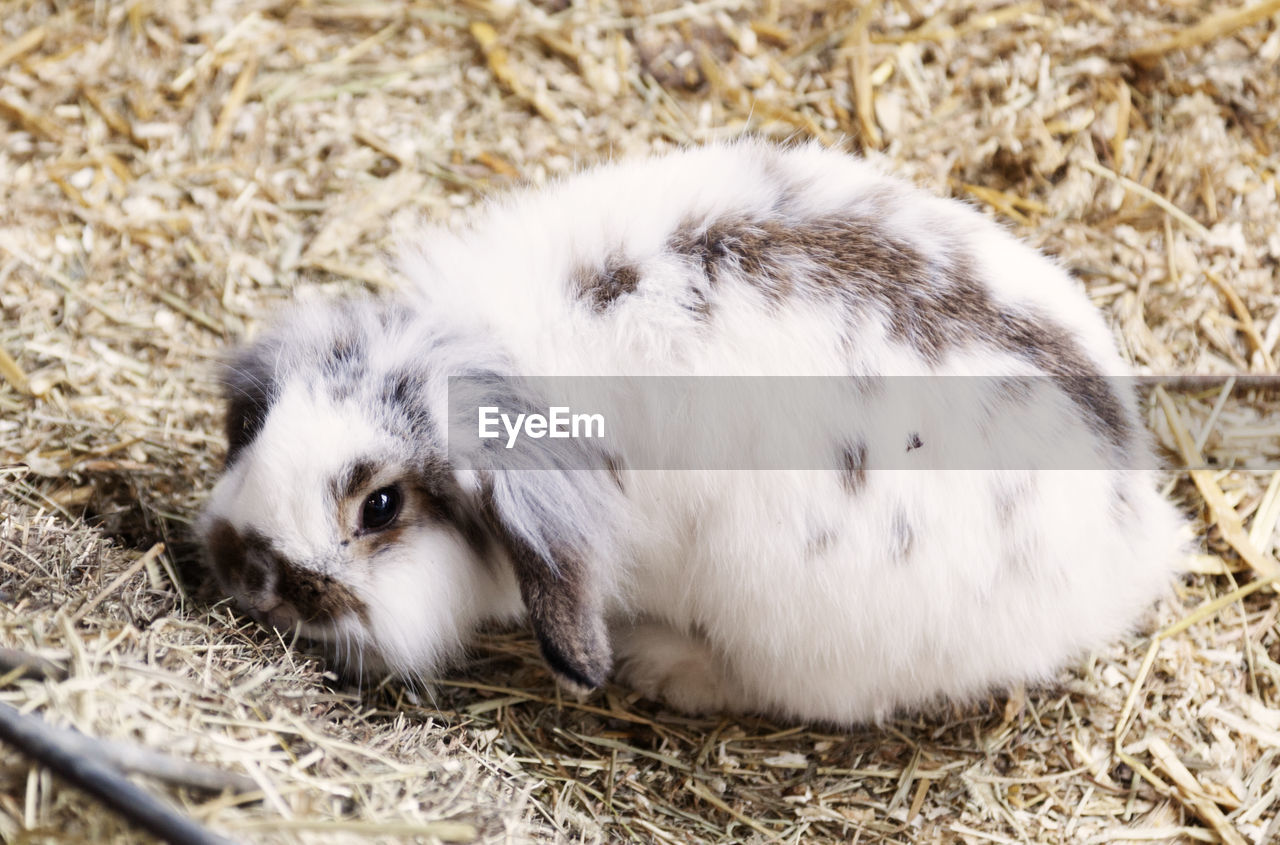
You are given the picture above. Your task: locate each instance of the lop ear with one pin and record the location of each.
(556, 510)
(557, 567)
(558, 563)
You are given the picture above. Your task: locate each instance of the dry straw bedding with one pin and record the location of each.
(172, 171)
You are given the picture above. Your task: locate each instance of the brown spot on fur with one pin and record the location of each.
(319, 597)
(436, 495)
(1052, 349)
(699, 306)
(853, 468)
(248, 563)
(602, 287)
(314, 596)
(711, 246)
(913, 441)
(254, 577)
(353, 481)
(614, 465)
(866, 387)
(931, 306)
(1010, 391)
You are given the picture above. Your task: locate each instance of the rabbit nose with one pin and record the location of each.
(260, 573)
(282, 616)
(257, 576)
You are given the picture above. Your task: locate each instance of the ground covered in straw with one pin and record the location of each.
(173, 170)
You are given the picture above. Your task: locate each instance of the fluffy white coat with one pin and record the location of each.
(715, 593)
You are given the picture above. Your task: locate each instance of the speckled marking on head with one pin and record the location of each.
(249, 387)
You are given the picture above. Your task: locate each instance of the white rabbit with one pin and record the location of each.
(837, 594)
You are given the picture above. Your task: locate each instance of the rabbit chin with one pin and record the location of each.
(371, 648)
(345, 640)
(421, 603)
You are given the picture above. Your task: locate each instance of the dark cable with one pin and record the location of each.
(51, 747)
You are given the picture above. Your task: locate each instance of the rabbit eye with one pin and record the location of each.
(380, 509)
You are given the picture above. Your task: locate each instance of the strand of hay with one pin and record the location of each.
(1216, 25)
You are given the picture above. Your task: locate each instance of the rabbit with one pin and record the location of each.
(883, 580)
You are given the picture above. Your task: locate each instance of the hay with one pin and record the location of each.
(173, 171)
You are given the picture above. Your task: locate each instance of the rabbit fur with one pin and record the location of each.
(836, 595)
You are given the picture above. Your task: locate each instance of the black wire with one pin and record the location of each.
(53, 748)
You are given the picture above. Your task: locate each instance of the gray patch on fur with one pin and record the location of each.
(344, 354)
(853, 467)
(819, 543)
(250, 388)
(406, 404)
(1014, 496)
(866, 387)
(442, 499)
